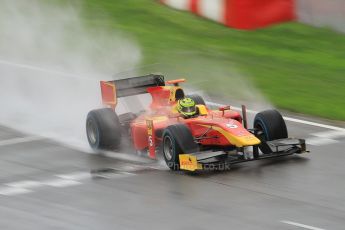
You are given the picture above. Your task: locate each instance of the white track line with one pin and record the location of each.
(23, 187)
(61, 183)
(314, 124)
(19, 140)
(287, 118)
(40, 69)
(11, 191)
(301, 225)
(75, 176)
(25, 184)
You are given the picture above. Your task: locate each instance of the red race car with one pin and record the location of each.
(208, 139)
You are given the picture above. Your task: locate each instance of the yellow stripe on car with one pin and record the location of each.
(238, 141)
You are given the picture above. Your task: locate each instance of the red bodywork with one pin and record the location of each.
(221, 127)
(196, 125)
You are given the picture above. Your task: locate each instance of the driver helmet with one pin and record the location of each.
(186, 107)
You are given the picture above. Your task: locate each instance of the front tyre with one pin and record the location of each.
(103, 129)
(269, 125)
(177, 139)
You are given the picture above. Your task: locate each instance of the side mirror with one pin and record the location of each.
(223, 108)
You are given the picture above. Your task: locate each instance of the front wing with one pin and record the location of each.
(218, 160)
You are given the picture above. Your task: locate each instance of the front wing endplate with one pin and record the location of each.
(189, 162)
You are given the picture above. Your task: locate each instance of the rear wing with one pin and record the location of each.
(111, 90)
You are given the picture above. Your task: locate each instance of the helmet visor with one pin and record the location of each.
(188, 110)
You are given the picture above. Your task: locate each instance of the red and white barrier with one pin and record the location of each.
(240, 14)
(214, 10)
(177, 4)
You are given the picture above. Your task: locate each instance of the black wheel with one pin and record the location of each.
(197, 98)
(103, 129)
(177, 139)
(269, 125)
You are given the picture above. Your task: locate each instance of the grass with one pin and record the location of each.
(297, 67)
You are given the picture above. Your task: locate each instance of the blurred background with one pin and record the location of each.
(289, 53)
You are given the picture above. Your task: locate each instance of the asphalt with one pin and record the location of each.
(46, 185)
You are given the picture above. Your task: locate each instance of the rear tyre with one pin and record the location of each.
(177, 139)
(103, 129)
(197, 98)
(269, 125)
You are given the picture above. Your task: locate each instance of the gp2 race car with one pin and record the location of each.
(214, 139)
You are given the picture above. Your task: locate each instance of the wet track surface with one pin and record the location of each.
(44, 185)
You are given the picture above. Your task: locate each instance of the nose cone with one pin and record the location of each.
(236, 134)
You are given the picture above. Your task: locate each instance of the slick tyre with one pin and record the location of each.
(103, 129)
(177, 139)
(269, 125)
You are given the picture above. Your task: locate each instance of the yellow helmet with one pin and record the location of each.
(186, 107)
